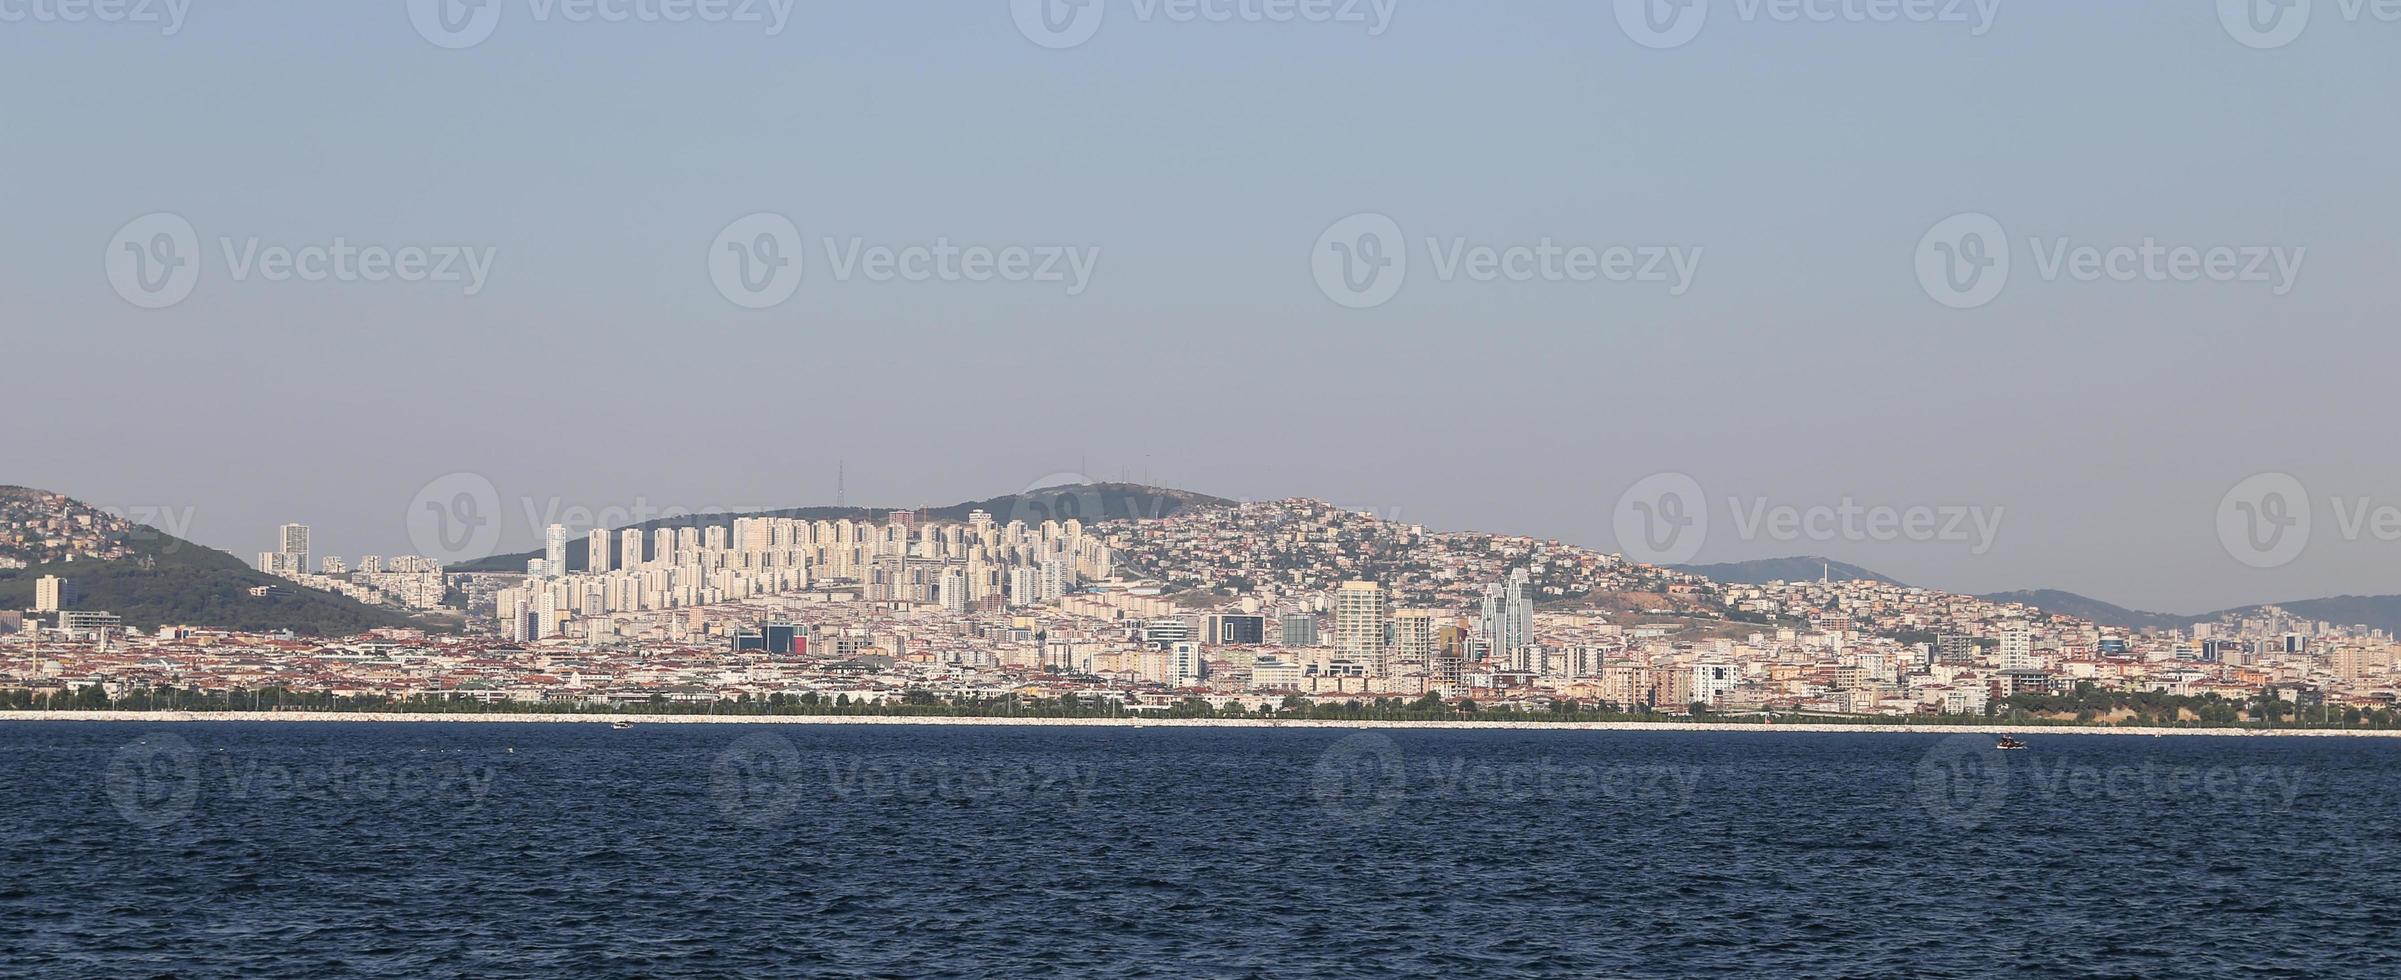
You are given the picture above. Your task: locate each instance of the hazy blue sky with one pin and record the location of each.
(599, 365)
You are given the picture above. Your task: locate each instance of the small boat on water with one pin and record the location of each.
(621, 725)
(2008, 742)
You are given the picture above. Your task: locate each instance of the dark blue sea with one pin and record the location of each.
(490, 850)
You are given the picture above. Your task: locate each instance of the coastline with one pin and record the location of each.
(1259, 723)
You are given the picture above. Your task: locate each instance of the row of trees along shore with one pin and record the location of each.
(2087, 705)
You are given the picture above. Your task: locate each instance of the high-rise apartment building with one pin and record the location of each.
(554, 550)
(1299, 629)
(1186, 668)
(1414, 634)
(1506, 621)
(52, 593)
(292, 549)
(2017, 650)
(1360, 613)
(1955, 648)
(1235, 629)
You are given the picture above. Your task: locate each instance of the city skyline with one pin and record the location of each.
(1767, 525)
(1812, 534)
(1163, 614)
(1795, 347)
(1252, 487)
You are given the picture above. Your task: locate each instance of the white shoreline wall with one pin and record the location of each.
(1625, 726)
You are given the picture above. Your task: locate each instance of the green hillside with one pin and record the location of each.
(158, 579)
(200, 593)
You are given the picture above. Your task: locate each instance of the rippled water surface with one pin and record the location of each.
(705, 850)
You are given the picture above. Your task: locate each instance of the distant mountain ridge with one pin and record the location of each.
(2104, 613)
(2374, 611)
(1806, 568)
(150, 578)
(1087, 502)
(2377, 612)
